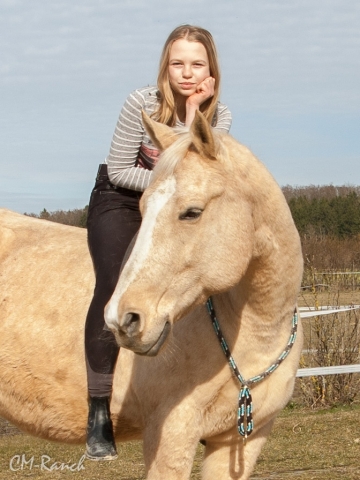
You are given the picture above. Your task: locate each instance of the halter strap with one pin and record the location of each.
(245, 409)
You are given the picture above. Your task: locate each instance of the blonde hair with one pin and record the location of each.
(166, 113)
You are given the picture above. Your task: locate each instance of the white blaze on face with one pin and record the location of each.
(156, 202)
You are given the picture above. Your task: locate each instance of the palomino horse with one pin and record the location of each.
(214, 224)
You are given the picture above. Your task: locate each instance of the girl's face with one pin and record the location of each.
(188, 66)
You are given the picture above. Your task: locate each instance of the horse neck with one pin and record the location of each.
(261, 305)
(271, 284)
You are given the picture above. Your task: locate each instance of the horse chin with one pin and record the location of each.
(143, 348)
(155, 349)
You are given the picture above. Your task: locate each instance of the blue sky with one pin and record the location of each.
(291, 77)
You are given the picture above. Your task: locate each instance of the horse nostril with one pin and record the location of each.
(131, 318)
(131, 324)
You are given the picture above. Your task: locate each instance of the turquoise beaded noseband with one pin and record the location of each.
(245, 410)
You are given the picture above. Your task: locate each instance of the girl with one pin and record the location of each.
(188, 80)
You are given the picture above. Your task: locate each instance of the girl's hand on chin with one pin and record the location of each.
(204, 91)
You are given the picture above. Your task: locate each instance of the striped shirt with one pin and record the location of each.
(132, 154)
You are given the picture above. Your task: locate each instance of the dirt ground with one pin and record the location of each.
(329, 297)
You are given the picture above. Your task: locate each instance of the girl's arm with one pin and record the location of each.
(204, 91)
(126, 142)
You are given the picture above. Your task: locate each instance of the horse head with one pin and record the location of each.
(210, 211)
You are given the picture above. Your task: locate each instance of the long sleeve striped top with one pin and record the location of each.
(132, 154)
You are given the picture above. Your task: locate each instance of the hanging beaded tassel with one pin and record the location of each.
(245, 420)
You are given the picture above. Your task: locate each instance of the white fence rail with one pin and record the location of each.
(312, 372)
(306, 312)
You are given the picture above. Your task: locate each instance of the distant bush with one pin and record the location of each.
(325, 252)
(75, 218)
(328, 220)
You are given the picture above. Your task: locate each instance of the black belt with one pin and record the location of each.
(102, 175)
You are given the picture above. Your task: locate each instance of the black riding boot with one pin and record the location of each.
(100, 444)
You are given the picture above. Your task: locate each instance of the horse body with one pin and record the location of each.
(214, 223)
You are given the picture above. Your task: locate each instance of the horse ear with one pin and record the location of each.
(161, 135)
(203, 138)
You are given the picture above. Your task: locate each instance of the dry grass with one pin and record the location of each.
(304, 445)
(318, 445)
(330, 340)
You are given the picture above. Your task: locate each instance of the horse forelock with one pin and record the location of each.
(172, 155)
(170, 158)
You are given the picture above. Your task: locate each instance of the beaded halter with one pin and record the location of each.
(245, 409)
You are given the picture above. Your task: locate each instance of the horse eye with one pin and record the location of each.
(191, 214)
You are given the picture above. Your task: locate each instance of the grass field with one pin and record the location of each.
(304, 445)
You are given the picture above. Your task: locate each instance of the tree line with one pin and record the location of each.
(75, 218)
(338, 216)
(319, 210)
(327, 218)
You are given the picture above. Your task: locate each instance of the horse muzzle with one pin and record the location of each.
(130, 332)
